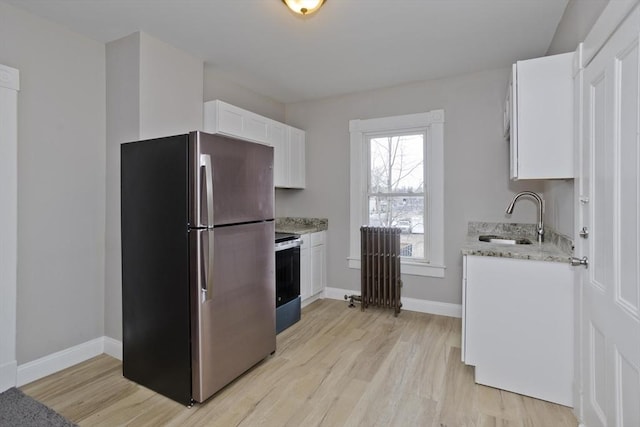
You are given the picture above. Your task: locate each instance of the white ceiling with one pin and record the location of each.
(348, 46)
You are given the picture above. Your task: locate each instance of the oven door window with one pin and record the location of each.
(287, 275)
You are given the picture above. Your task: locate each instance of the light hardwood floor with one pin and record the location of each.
(337, 366)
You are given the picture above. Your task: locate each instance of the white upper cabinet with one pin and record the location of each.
(296, 158)
(288, 142)
(539, 118)
(227, 119)
(278, 139)
(289, 155)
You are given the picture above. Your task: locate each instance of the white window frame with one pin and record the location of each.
(432, 124)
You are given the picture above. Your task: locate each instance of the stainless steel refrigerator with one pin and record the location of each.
(198, 280)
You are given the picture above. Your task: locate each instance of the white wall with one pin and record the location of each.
(578, 18)
(61, 174)
(153, 90)
(558, 214)
(477, 185)
(123, 124)
(171, 88)
(218, 86)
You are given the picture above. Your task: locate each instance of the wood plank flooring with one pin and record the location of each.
(337, 366)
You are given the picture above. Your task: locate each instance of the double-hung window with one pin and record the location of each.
(397, 167)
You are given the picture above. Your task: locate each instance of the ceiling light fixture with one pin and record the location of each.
(304, 7)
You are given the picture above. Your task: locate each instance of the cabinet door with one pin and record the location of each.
(543, 135)
(278, 139)
(305, 274)
(229, 119)
(220, 117)
(519, 328)
(296, 158)
(317, 269)
(465, 318)
(513, 125)
(254, 127)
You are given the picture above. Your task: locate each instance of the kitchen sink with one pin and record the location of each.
(491, 238)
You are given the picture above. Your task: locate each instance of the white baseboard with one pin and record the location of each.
(60, 360)
(310, 300)
(8, 373)
(410, 304)
(113, 347)
(337, 293)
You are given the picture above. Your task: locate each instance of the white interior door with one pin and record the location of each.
(610, 208)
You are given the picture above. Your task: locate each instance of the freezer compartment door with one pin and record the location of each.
(231, 181)
(233, 321)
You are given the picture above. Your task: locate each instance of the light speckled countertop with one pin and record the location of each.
(555, 248)
(301, 225)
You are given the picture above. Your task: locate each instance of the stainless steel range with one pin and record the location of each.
(287, 248)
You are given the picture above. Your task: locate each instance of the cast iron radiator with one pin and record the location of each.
(380, 268)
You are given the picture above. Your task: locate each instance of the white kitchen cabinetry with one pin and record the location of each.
(517, 325)
(296, 161)
(288, 142)
(539, 118)
(277, 138)
(305, 268)
(227, 119)
(289, 156)
(312, 264)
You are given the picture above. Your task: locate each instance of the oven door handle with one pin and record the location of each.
(288, 245)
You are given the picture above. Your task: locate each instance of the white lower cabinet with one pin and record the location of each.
(517, 325)
(305, 269)
(312, 264)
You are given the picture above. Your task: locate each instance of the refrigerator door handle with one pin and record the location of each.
(206, 287)
(205, 164)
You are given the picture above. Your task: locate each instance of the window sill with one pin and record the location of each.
(410, 268)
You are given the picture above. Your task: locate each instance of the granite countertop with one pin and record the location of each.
(555, 248)
(301, 225)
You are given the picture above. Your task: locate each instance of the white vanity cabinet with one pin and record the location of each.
(288, 142)
(517, 325)
(313, 264)
(538, 118)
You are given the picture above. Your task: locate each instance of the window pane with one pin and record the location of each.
(407, 213)
(396, 164)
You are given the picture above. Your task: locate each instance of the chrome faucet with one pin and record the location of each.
(538, 199)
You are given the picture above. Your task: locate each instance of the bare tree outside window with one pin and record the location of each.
(396, 188)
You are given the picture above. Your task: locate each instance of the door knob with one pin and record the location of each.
(580, 261)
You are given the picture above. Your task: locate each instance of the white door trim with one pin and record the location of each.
(9, 86)
(580, 243)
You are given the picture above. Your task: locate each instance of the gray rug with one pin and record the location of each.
(18, 409)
